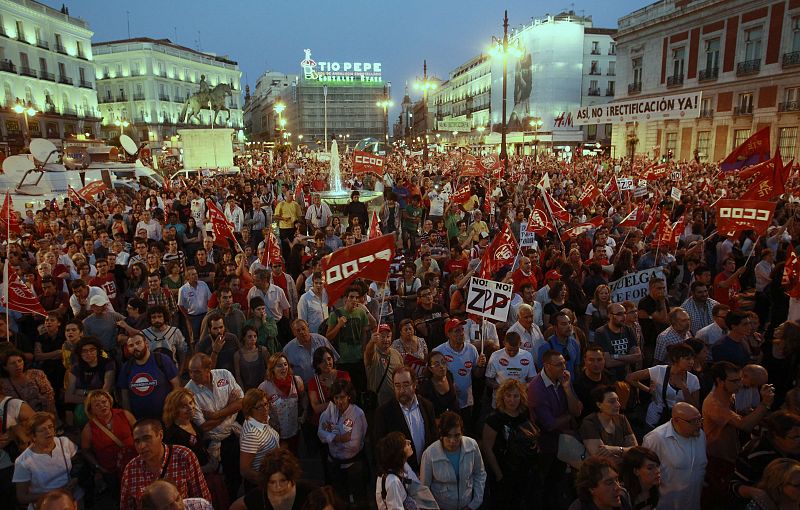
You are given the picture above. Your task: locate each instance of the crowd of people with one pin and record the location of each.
(173, 368)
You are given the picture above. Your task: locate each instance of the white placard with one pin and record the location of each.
(625, 183)
(675, 194)
(674, 106)
(634, 286)
(526, 239)
(489, 298)
(676, 175)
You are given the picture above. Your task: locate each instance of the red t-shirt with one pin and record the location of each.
(519, 279)
(727, 296)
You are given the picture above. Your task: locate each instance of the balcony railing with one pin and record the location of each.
(612, 52)
(47, 76)
(611, 73)
(61, 49)
(789, 106)
(27, 71)
(791, 59)
(595, 71)
(178, 99)
(594, 92)
(70, 111)
(163, 97)
(103, 100)
(8, 66)
(92, 113)
(634, 88)
(609, 92)
(138, 97)
(748, 67)
(43, 44)
(66, 80)
(743, 110)
(595, 51)
(675, 81)
(708, 74)
(121, 98)
(82, 56)
(21, 38)
(706, 114)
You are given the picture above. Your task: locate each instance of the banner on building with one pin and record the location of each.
(634, 286)
(671, 107)
(461, 126)
(489, 298)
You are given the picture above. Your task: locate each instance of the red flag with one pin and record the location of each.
(223, 229)
(463, 194)
(771, 181)
(582, 227)
(556, 209)
(791, 274)
(589, 195)
(365, 162)
(272, 250)
(633, 219)
(88, 192)
(491, 164)
(18, 296)
(654, 173)
(470, 167)
(500, 252)
(538, 221)
(369, 260)
(738, 215)
(655, 218)
(8, 218)
(754, 150)
(611, 188)
(374, 227)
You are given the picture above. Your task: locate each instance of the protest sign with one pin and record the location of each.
(634, 286)
(489, 298)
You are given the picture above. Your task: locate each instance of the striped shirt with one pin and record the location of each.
(258, 438)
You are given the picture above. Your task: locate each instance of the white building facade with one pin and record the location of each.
(462, 104)
(259, 113)
(146, 83)
(46, 63)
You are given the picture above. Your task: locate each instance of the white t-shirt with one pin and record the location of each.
(46, 472)
(501, 366)
(460, 365)
(437, 203)
(673, 396)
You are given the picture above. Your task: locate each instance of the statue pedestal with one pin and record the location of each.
(207, 148)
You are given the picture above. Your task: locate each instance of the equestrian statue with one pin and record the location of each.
(212, 99)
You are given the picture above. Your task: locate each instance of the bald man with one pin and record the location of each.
(163, 494)
(681, 445)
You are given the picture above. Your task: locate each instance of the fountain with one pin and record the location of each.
(339, 196)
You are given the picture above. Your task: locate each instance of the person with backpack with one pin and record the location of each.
(146, 379)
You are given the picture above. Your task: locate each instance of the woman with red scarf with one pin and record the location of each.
(287, 397)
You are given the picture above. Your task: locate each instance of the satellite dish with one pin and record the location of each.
(42, 149)
(55, 167)
(30, 190)
(17, 164)
(128, 144)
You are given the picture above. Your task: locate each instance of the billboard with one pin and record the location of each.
(336, 71)
(675, 106)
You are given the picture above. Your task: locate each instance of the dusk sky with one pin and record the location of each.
(271, 35)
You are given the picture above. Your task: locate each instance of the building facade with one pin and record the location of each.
(743, 55)
(461, 105)
(260, 117)
(46, 64)
(146, 82)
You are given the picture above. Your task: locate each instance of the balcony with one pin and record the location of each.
(706, 114)
(594, 92)
(47, 76)
(611, 73)
(27, 71)
(103, 100)
(609, 93)
(92, 113)
(8, 66)
(163, 97)
(121, 98)
(708, 74)
(595, 71)
(83, 56)
(66, 80)
(612, 51)
(138, 97)
(743, 110)
(43, 44)
(595, 51)
(21, 38)
(69, 111)
(748, 67)
(789, 106)
(61, 49)
(86, 84)
(791, 59)
(634, 88)
(675, 81)
(178, 99)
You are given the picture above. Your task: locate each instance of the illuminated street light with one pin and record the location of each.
(29, 111)
(536, 124)
(501, 49)
(425, 85)
(385, 103)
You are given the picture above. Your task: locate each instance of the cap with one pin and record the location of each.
(552, 275)
(384, 327)
(98, 300)
(452, 324)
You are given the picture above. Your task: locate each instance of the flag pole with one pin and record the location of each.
(555, 220)
(5, 266)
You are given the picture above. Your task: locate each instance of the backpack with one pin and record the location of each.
(128, 366)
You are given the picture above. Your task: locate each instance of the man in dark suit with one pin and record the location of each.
(408, 413)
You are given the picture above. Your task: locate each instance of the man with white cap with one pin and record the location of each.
(81, 293)
(102, 323)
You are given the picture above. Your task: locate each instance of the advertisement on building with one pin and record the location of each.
(461, 126)
(676, 106)
(347, 72)
(544, 82)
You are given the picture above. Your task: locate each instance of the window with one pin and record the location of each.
(58, 41)
(23, 60)
(703, 138)
(80, 49)
(671, 143)
(739, 136)
(612, 48)
(792, 94)
(712, 54)
(134, 68)
(595, 47)
(636, 65)
(705, 105)
(752, 43)
(62, 70)
(38, 32)
(139, 91)
(611, 88)
(787, 141)
(612, 68)
(82, 74)
(678, 58)
(593, 89)
(746, 102)
(595, 69)
(795, 44)
(43, 64)
(20, 31)
(105, 71)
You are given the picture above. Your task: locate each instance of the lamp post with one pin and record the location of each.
(279, 107)
(536, 124)
(425, 85)
(26, 110)
(501, 49)
(325, 108)
(385, 103)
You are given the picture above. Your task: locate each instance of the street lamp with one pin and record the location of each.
(536, 124)
(501, 49)
(279, 107)
(385, 103)
(425, 85)
(26, 110)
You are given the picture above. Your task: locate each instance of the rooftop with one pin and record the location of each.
(166, 43)
(49, 11)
